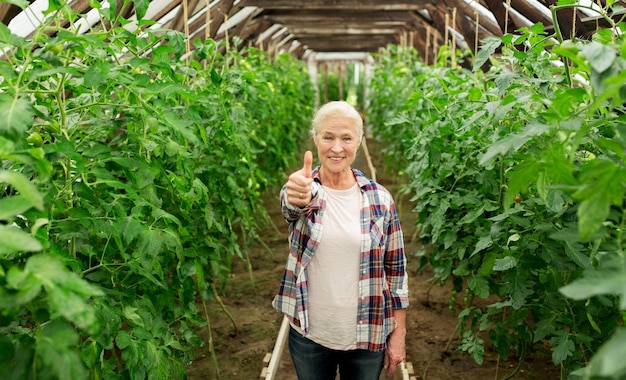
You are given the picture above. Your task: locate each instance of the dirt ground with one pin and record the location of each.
(241, 347)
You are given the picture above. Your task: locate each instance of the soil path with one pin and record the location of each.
(430, 322)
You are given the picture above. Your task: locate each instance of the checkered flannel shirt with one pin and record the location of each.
(383, 283)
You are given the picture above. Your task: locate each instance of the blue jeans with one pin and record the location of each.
(313, 361)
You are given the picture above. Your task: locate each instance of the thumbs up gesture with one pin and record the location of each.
(299, 183)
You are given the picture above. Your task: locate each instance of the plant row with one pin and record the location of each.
(518, 176)
(132, 169)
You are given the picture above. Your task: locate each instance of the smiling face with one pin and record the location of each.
(337, 142)
(337, 132)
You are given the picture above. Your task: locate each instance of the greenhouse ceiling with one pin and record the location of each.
(346, 27)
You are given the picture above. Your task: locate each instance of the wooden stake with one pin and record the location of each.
(427, 45)
(476, 36)
(368, 159)
(453, 37)
(445, 32)
(226, 34)
(207, 17)
(269, 373)
(340, 80)
(506, 16)
(326, 82)
(186, 28)
(574, 23)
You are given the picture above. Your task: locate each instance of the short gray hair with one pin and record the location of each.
(337, 108)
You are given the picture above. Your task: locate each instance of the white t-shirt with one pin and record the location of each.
(333, 273)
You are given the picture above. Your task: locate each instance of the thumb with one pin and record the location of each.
(308, 162)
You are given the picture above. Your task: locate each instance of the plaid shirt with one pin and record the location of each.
(383, 283)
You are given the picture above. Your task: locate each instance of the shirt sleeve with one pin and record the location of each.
(395, 261)
(291, 212)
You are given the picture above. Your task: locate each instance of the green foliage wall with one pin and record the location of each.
(131, 176)
(518, 180)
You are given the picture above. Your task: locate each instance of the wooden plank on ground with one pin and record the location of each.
(269, 372)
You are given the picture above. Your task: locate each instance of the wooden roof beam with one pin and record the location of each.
(357, 30)
(505, 21)
(343, 4)
(7, 12)
(337, 15)
(532, 12)
(219, 13)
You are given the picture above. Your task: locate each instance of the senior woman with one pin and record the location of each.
(344, 289)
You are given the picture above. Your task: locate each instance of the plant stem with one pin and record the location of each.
(224, 309)
(210, 337)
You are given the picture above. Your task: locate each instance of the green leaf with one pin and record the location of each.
(56, 348)
(520, 176)
(577, 252)
(593, 283)
(6, 37)
(612, 145)
(517, 286)
(16, 114)
(23, 186)
(474, 345)
(73, 307)
(27, 288)
(130, 313)
(216, 78)
(7, 353)
(97, 73)
(513, 141)
(13, 205)
(141, 7)
(12, 240)
(471, 216)
(483, 243)
(505, 263)
(479, 286)
(91, 353)
(608, 362)
(599, 56)
(200, 279)
(509, 143)
(67, 292)
(592, 212)
(543, 328)
(487, 48)
(122, 339)
(158, 213)
(131, 228)
(563, 348)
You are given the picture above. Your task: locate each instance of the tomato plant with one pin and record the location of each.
(517, 176)
(131, 177)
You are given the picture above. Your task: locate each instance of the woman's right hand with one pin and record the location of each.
(299, 183)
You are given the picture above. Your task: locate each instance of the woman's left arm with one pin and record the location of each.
(395, 272)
